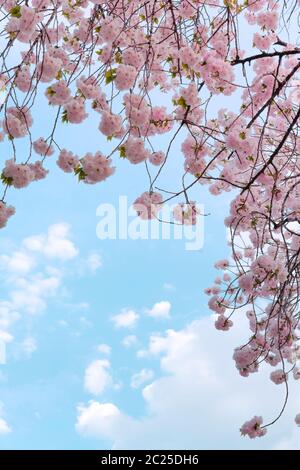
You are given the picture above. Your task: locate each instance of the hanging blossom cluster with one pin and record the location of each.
(119, 61)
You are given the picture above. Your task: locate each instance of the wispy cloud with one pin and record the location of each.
(4, 426)
(168, 286)
(29, 346)
(94, 262)
(28, 280)
(17, 263)
(55, 244)
(30, 294)
(129, 341)
(160, 310)
(141, 377)
(126, 319)
(103, 349)
(97, 377)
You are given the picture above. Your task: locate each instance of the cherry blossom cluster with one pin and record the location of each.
(147, 72)
(253, 428)
(91, 168)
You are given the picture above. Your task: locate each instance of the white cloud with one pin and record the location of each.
(29, 281)
(5, 337)
(156, 345)
(94, 262)
(3, 377)
(97, 377)
(28, 288)
(129, 341)
(200, 401)
(29, 346)
(85, 322)
(168, 286)
(142, 377)
(30, 294)
(18, 262)
(99, 419)
(4, 426)
(126, 319)
(78, 307)
(8, 316)
(56, 244)
(104, 349)
(160, 310)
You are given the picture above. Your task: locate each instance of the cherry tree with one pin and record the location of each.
(120, 60)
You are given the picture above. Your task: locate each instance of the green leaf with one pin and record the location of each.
(6, 180)
(15, 12)
(118, 58)
(122, 151)
(182, 102)
(50, 91)
(64, 117)
(80, 173)
(110, 75)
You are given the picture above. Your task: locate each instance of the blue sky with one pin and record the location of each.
(64, 288)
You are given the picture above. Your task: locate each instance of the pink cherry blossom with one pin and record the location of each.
(58, 93)
(67, 161)
(157, 158)
(42, 147)
(148, 205)
(111, 124)
(18, 175)
(253, 428)
(75, 110)
(5, 213)
(126, 75)
(278, 376)
(135, 150)
(96, 168)
(186, 213)
(223, 323)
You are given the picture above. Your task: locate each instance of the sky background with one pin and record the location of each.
(110, 343)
